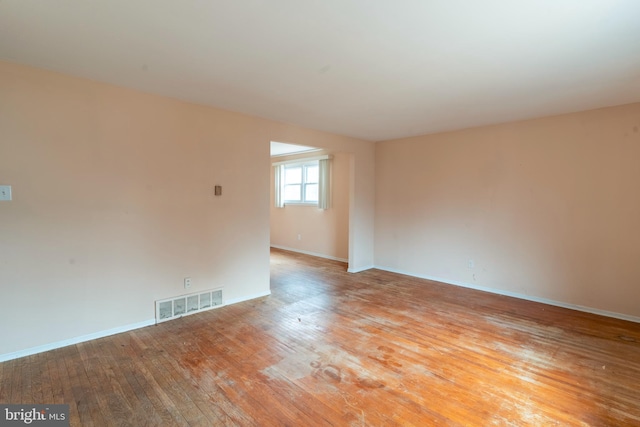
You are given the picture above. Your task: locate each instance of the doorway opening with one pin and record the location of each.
(305, 227)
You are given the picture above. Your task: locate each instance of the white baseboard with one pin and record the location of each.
(520, 296)
(359, 269)
(247, 298)
(102, 334)
(76, 340)
(284, 248)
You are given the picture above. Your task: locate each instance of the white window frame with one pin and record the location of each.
(303, 183)
(323, 181)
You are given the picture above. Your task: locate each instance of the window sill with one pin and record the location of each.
(300, 204)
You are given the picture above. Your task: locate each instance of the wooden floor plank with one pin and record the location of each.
(17, 380)
(5, 381)
(144, 410)
(46, 380)
(55, 382)
(332, 348)
(260, 389)
(85, 398)
(181, 390)
(66, 387)
(108, 404)
(154, 382)
(3, 384)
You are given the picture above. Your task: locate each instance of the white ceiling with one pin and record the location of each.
(373, 69)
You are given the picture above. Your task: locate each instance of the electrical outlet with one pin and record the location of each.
(187, 282)
(471, 263)
(299, 236)
(5, 192)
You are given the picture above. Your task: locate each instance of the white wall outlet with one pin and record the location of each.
(299, 236)
(471, 263)
(187, 282)
(5, 192)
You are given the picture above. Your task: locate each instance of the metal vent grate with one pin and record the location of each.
(183, 305)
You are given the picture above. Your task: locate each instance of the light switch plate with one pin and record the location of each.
(5, 192)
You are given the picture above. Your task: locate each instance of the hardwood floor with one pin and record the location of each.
(332, 348)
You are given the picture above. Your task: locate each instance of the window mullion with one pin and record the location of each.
(304, 183)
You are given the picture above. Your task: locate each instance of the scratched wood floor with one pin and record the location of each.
(332, 348)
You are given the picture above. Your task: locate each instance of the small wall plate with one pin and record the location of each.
(5, 192)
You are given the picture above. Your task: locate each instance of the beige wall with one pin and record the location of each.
(113, 204)
(546, 208)
(323, 232)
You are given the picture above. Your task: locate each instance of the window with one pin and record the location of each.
(301, 183)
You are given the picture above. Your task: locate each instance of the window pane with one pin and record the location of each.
(293, 192)
(293, 175)
(312, 173)
(311, 193)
